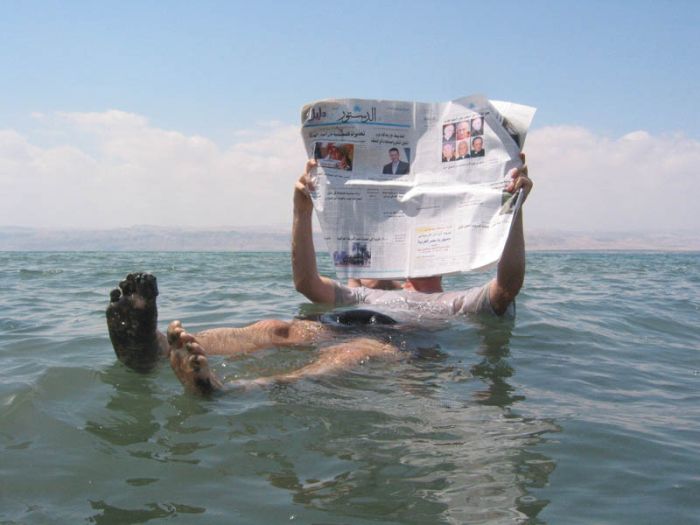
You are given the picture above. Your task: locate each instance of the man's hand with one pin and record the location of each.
(303, 188)
(520, 179)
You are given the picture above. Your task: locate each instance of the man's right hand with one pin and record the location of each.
(303, 188)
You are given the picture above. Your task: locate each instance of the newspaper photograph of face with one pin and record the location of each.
(463, 139)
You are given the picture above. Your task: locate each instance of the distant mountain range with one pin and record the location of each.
(145, 238)
(551, 240)
(277, 238)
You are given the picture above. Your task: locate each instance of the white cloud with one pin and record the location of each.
(129, 172)
(115, 169)
(638, 182)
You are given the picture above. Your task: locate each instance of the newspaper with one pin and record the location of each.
(410, 189)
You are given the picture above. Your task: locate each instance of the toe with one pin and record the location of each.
(174, 337)
(127, 285)
(195, 362)
(146, 285)
(174, 331)
(193, 347)
(187, 338)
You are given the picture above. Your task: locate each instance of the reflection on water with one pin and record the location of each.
(130, 415)
(132, 420)
(456, 434)
(109, 514)
(436, 438)
(515, 434)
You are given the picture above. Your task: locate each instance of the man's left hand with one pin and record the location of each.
(520, 179)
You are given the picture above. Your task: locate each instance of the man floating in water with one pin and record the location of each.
(132, 314)
(132, 317)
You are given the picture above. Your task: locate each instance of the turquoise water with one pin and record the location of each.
(585, 410)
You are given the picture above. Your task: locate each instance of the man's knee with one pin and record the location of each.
(275, 328)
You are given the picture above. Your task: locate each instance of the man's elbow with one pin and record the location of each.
(312, 290)
(502, 295)
(510, 292)
(303, 286)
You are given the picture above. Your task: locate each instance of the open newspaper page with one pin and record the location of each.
(409, 189)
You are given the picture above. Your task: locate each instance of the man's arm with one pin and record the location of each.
(511, 268)
(307, 281)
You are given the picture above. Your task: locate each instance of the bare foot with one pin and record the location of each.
(190, 363)
(132, 318)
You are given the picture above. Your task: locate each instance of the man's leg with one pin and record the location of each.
(132, 318)
(339, 357)
(263, 334)
(190, 364)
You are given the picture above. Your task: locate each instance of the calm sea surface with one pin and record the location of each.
(585, 410)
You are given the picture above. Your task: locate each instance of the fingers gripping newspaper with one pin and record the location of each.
(409, 189)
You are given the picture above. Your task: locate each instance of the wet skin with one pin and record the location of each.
(189, 362)
(132, 318)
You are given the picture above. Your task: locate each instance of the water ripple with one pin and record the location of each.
(584, 410)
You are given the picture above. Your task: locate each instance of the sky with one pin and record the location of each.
(187, 113)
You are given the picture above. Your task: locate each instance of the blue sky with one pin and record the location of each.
(220, 69)
(207, 67)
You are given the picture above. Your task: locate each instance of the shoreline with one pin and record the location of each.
(278, 239)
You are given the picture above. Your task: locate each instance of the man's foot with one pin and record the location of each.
(190, 363)
(132, 318)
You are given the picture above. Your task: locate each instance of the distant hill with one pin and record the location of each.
(601, 241)
(277, 238)
(143, 238)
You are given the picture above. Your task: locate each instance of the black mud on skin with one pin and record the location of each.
(132, 318)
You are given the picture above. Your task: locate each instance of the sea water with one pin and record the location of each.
(586, 409)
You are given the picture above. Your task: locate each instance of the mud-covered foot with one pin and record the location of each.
(132, 318)
(190, 363)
